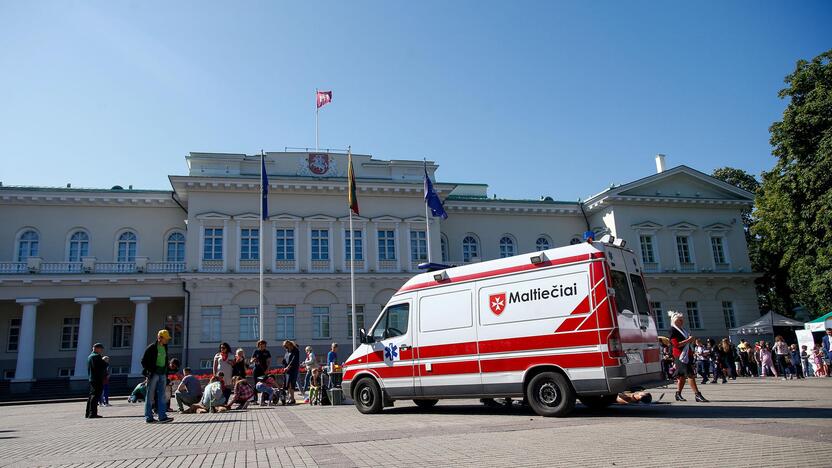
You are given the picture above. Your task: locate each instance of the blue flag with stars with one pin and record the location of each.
(432, 198)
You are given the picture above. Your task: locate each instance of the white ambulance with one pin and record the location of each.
(549, 327)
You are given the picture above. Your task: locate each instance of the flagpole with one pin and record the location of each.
(427, 215)
(260, 247)
(352, 271)
(316, 118)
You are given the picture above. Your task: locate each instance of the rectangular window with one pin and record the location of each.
(285, 323)
(249, 244)
(356, 243)
(174, 325)
(359, 319)
(14, 335)
(249, 324)
(66, 372)
(393, 322)
(692, 309)
(623, 298)
(640, 294)
(206, 363)
(728, 313)
(386, 245)
(211, 324)
(212, 244)
(320, 244)
(647, 253)
(284, 248)
(683, 249)
(122, 332)
(320, 322)
(69, 334)
(418, 246)
(719, 250)
(657, 309)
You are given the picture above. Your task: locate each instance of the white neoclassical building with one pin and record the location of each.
(78, 266)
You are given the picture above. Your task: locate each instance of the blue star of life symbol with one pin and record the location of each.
(391, 352)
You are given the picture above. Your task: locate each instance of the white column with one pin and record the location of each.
(139, 334)
(26, 346)
(84, 336)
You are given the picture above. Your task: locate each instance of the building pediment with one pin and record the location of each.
(285, 217)
(212, 215)
(387, 219)
(355, 219)
(646, 226)
(247, 216)
(320, 218)
(683, 226)
(717, 227)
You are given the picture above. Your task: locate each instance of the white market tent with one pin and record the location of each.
(820, 324)
(765, 325)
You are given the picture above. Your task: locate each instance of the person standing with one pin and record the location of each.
(239, 365)
(155, 368)
(682, 342)
(702, 355)
(331, 361)
(310, 363)
(262, 360)
(827, 350)
(97, 371)
(781, 353)
(223, 364)
(105, 393)
(189, 391)
(291, 360)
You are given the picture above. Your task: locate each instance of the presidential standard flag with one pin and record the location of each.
(353, 196)
(323, 98)
(432, 199)
(264, 187)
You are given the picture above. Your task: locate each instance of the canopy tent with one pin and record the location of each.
(820, 323)
(766, 324)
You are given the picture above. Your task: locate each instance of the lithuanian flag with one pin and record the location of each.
(353, 196)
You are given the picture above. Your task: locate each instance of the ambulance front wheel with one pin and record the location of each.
(550, 394)
(368, 396)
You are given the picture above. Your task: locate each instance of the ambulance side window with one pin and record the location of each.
(623, 299)
(393, 322)
(641, 295)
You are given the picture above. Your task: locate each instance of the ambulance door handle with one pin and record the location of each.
(404, 347)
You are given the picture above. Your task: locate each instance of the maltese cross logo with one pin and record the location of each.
(391, 352)
(497, 303)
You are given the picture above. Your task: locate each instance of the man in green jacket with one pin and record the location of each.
(155, 368)
(97, 370)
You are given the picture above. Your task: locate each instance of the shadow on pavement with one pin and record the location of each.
(209, 421)
(673, 411)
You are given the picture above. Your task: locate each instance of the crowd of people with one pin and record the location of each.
(685, 357)
(228, 384)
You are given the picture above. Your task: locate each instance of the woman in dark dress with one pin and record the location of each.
(682, 343)
(292, 362)
(238, 368)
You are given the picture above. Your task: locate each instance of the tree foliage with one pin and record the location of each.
(793, 215)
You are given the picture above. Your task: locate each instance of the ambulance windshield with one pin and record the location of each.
(623, 299)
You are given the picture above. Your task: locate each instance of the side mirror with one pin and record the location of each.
(362, 336)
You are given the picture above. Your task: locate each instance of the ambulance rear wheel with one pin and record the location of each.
(368, 396)
(424, 404)
(550, 394)
(597, 402)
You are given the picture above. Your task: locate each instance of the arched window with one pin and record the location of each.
(470, 248)
(126, 247)
(542, 243)
(27, 245)
(79, 246)
(176, 247)
(506, 247)
(444, 245)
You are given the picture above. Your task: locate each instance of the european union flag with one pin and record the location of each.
(264, 187)
(432, 199)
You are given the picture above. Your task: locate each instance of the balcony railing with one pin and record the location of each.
(687, 267)
(165, 267)
(13, 268)
(61, 267)
(115, 267)
(651, 267)
(722, 267)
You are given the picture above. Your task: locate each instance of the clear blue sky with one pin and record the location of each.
(533, 98)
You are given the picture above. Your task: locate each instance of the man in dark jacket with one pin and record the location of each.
(155, 368)
(97, 370)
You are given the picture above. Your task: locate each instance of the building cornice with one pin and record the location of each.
(513, 207)
(658, 201)
(12, 196)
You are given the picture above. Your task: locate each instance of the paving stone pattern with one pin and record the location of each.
(749, 423)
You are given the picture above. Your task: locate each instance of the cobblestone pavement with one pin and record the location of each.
(748, 423)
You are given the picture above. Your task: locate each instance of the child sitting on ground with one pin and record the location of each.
(266, 388)
(139, 392)
(242, 392)
(315, 387)
(212, 398)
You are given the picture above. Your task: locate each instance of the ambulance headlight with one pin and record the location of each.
(620, 243)
(539, 258)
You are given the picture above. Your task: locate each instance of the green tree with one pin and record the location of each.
(793, 215)
(773, 292)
